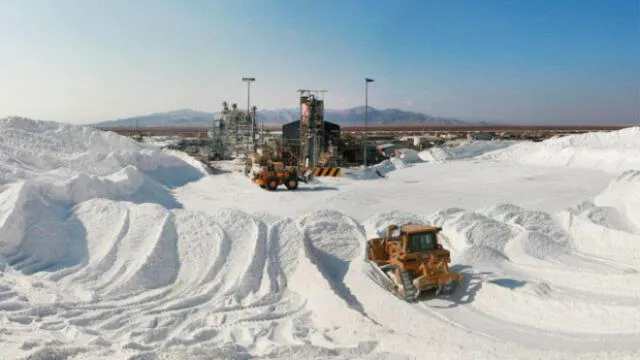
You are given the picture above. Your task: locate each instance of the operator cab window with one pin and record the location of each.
(422, 242)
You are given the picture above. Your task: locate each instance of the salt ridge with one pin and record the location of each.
(613, 151)
(33, 148)
(133, 259)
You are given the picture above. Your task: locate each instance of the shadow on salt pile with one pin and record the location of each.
(332, 240)
(317, 188)
(376, 172)
(334, 270)
(175, 176)
(41, 231)
(129, 184)
(509, 283)
(464, 292)
(304, 189)
(49, 239)
(219, 171)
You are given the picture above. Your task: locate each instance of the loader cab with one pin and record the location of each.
(271, 167)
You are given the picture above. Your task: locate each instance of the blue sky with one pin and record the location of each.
(513, 61)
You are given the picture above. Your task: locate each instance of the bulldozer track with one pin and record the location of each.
(409, 289)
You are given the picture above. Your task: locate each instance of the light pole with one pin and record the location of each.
(249, 80)
(254, 110)
(366, 110)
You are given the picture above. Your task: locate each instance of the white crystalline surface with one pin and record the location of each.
(112, 249)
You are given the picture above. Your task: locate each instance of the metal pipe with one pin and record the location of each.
(366, 108)
(253, 124)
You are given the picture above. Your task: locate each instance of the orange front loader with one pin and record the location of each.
(274, 174)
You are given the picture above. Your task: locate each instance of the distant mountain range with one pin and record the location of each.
(353, 116)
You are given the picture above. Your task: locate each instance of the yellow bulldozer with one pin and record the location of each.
(410, 260)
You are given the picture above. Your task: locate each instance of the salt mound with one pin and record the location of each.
(613, 151)
(408, 155)
(609, 224)
(35, 223)
(623, 193)
(142, 253)
(465, 150)
(32, 148)
(379, 170)
(541, 235)
(343, 245)
(27, 219)
(499, 233)
(54, 167)
(467, 229)
(435, 154)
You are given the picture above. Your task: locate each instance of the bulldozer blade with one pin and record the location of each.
(447, 288)
(380, 278)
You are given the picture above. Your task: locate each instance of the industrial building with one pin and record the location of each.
(233, 133)
(293, 149)
(310, 141)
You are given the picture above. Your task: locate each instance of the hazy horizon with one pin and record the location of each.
(495, 61)
(496, 122)
(634, 122)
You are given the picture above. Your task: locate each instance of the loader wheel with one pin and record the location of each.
(291, 183)
(271, 183)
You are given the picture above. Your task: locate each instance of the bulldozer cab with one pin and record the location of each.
(415, 238)
(421, 242)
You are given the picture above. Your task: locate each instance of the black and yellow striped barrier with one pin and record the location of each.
(327, 171)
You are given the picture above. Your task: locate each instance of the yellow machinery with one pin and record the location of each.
(275, 174)
(269, 174)
(410, 260)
